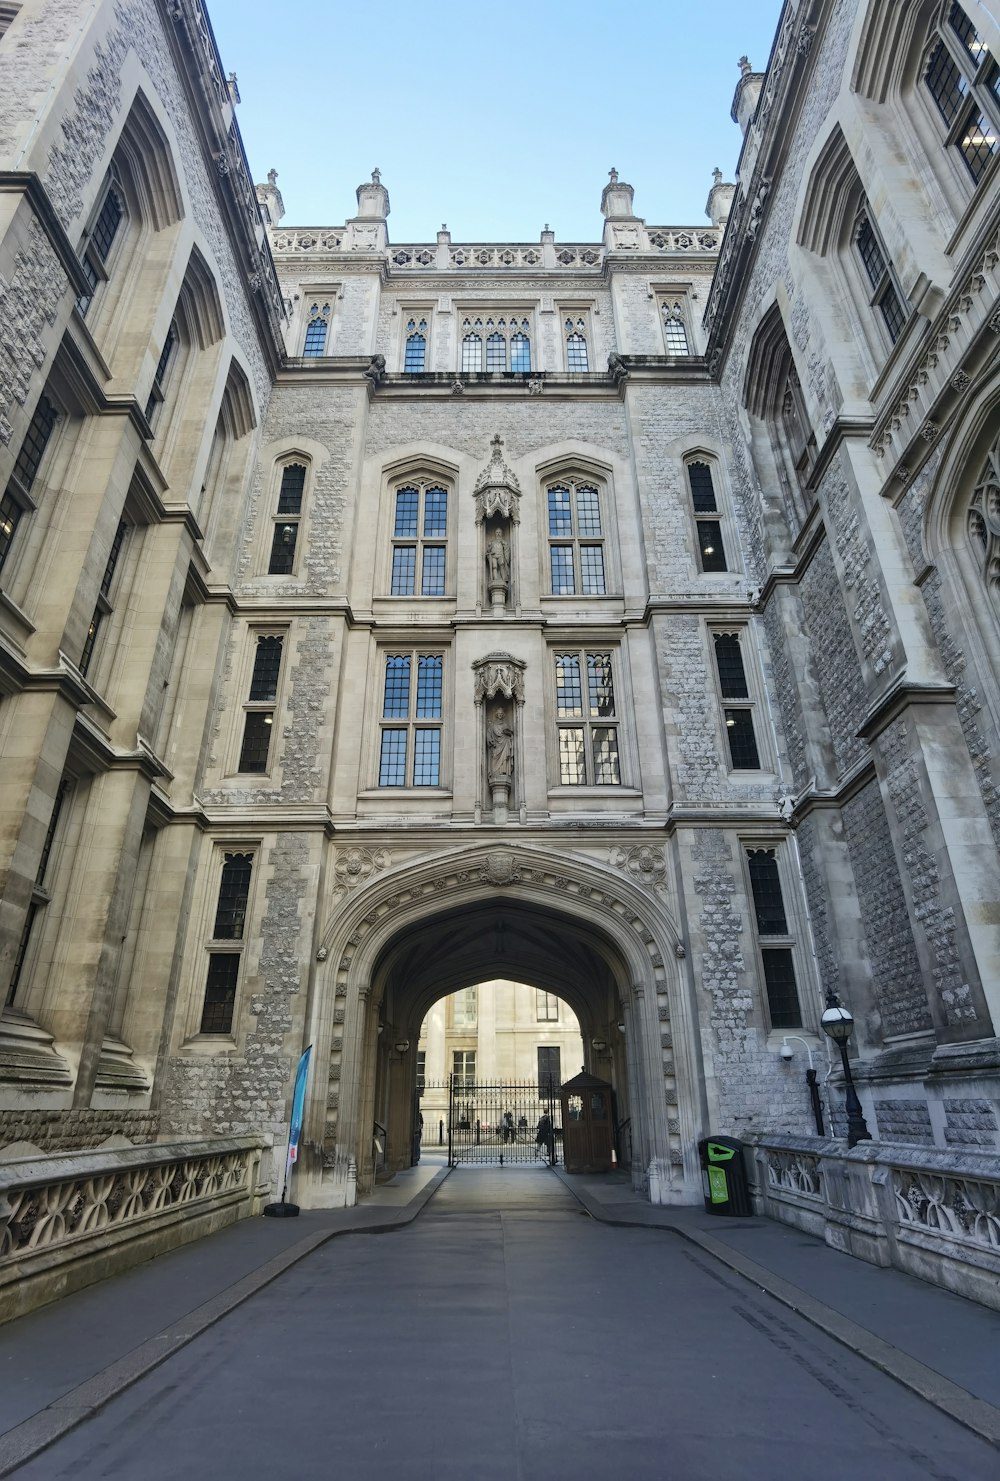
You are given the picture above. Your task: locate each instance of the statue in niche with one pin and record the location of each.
(498, 561)
(500, 749)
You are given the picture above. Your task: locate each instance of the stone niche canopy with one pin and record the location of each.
(497, 491)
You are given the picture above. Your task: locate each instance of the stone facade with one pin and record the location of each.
(606, 617)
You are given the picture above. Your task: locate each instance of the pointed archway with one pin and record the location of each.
(404, 936)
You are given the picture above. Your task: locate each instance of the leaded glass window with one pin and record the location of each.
(259, 712)
(419, 540)
(103, 607)
(411, 722)
(234, 892)
(507, 339)
(586, 720)
(414, 362)
(674, 328)
(15, 501)
(738, 718)
(774, 938)
(576, 539)
(963, 80)
(708, 525)
(317, 330)
(873, 259)
(575, 332)
(285, 530)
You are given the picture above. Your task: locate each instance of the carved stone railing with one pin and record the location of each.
(931, 1212)
(423, 256)
(68, 1220)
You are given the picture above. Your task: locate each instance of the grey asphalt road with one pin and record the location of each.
(507, 1335)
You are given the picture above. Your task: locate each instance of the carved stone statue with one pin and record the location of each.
(500, 749)
(498, 561)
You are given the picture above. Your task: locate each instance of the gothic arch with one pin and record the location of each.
(620, 906)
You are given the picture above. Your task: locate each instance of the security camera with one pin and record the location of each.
(786, 1051)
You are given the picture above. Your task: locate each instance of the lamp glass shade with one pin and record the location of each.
(838, 1023)
(402, 1045)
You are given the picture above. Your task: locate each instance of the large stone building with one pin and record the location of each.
(616, 617)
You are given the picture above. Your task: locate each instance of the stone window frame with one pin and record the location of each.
(417, 311)
(422, 473)
(211, 946)
(584, 640)
(20, 991)
(22, 493)
(581, 313)
(882, 291)
(544, 1003)
(246, 705)
(98, 265)
(587, 473)
(772, 377)
(980, 97)
(475, 312)
(723, 499)
(795, 939)
(291, 457)
(406, 640)
(317, 308)
(755, 702)
(674, 305)
(464, 1023)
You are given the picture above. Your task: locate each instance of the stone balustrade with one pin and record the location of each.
(71, 1219)
(931, 1212)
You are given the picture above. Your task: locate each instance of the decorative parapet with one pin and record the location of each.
(931, 1212)
(685, 241)
(68, 1220)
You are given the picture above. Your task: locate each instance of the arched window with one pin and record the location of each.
(472, 353)
(576, 345)
(706, 517)
(520, 352)
(285, 532)
(984, 524)
(317, 329)
(416, 347)
(674, 328)
(577, 564)
(419, 539)
(961, 78)
(496, 352)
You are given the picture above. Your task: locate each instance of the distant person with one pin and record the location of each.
(543, 1136)
(508, 1126)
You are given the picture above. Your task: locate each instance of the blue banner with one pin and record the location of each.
(298, 1105)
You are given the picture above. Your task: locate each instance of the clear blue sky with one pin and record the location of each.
(493, 118)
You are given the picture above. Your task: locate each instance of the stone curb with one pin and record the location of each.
(975, 1414)
(29, 1438)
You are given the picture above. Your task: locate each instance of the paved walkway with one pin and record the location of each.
(505, 1334)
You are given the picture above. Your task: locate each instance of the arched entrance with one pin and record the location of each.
(412, 935)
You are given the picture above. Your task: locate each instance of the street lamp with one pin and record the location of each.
(838, 1023)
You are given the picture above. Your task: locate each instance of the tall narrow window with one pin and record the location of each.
(884, 294)
(576, 540)
(465, 1008)
(774, 940)
(575, 332)
(708, 525)
(40, 894)
(496, 352)
(419, 540)
(520, 351)
(546, 1006)
(586, 720)
(259, 710)
(160, 375)
(964, 82)
(317, 330)
(103, 607)
(416, 346)
(17, 499)
(674, 328)
(98, 243)
(738, 717)
(549, 1069)
(412, 715)
(472, 353)
(285, 533)
(230, 925)
(463, 1068)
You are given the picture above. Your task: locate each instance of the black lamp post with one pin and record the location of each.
(838, 1023)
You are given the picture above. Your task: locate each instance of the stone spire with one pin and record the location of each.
(616, 198)
(272, 207)
(366, 232)
(720, 200)
(746, 95)
(373, 199)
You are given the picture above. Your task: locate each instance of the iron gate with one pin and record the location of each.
(499, 1123)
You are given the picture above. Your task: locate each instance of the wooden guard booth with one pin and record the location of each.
(588, 1124)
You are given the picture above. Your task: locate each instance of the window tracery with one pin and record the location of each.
(675, 333)
(415, 358)
(507, 338)
(983, 522)
(317, 329)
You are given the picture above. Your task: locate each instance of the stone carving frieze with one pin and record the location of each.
(356, 866)
(643, 863)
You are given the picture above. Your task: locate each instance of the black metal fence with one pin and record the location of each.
(502, 1123)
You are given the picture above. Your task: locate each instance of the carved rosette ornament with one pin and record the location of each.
(356, 865)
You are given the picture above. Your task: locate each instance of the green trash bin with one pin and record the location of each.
(724, 1176)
